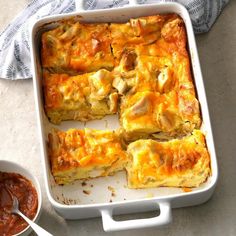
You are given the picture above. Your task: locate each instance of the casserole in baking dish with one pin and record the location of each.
(151, 56)
(110, 193)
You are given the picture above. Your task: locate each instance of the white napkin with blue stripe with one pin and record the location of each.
(14, 40)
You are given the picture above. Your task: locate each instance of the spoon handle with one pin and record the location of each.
(39, 230)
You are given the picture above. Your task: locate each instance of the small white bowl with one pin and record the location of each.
(8, 166)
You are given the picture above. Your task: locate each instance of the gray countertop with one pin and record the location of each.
(217, 50)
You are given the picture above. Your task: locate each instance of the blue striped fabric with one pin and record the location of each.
(14, 40)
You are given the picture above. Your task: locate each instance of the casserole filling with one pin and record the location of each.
(81, 97)
(139, 70)
(159, 115)
(176, 163)
(81, 154)
(147, 54)
(74, 47)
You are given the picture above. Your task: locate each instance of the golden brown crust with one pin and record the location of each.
(80, 154)
(151, 56)
(160, 115)
(84, 154)
(74, 47)
(176, 163)
(83, 97)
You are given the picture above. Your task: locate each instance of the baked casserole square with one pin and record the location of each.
(176, 163)
(81, 154)
(74, 47)
(82, 97)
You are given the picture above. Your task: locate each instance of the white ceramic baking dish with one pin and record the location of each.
(109, 196)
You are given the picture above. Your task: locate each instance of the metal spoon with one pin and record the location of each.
(15, 209)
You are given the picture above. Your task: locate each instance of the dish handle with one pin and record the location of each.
(164, 218)
(80, 4)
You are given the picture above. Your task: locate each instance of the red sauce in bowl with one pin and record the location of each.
(26, 194)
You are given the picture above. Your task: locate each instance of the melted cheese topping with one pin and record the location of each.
(176, 163)
(82, 97)
(148, 55)
(77, 47)
(79, 154)
(147, 113)
(140, 68)
(135, 33)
